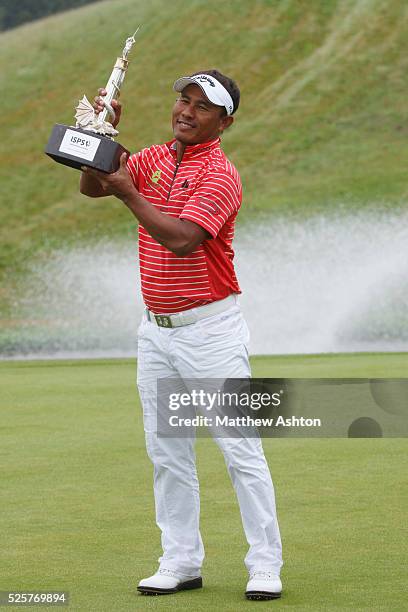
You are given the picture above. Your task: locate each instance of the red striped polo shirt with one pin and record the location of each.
(205, 188)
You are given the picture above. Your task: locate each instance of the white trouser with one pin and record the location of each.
(214, 347)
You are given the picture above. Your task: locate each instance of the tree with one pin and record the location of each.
(15, 12)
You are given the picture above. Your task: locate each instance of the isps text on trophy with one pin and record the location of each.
(90, 142)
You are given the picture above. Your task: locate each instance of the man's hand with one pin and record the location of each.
(99, 106)
(118, 183)
(91, 183)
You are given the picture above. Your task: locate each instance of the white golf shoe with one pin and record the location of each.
(165, 582)
(263, 585)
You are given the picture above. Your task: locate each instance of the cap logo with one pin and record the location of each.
(202, 78)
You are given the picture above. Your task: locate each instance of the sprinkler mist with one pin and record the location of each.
(326, 284)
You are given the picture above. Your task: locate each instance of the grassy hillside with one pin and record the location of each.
(322, 120)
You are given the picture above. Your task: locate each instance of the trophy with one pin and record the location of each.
(90, 142)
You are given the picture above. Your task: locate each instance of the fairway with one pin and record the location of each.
(77, 511)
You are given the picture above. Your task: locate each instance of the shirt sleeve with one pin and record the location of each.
(216, 199)
(133, 163)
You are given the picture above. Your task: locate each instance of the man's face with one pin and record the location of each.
(196, 119)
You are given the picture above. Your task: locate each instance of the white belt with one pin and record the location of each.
(193, 315)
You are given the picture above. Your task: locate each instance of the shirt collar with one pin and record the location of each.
(196, 149)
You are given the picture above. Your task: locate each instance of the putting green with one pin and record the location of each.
(77, 511)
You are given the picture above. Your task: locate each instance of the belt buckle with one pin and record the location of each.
(163, 320)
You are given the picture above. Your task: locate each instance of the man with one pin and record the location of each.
(186, 195)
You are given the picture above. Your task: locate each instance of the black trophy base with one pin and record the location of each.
(75, 147)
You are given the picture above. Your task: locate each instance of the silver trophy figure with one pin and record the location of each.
(90, 142)
(85, 114)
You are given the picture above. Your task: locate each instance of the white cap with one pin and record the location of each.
(213, 90)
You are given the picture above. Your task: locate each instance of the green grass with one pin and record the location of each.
(321, 123)
(335, 365)
(77, 510)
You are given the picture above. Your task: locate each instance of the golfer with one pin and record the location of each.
(185, 195)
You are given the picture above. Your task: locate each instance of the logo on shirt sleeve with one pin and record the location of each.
(209, 206)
